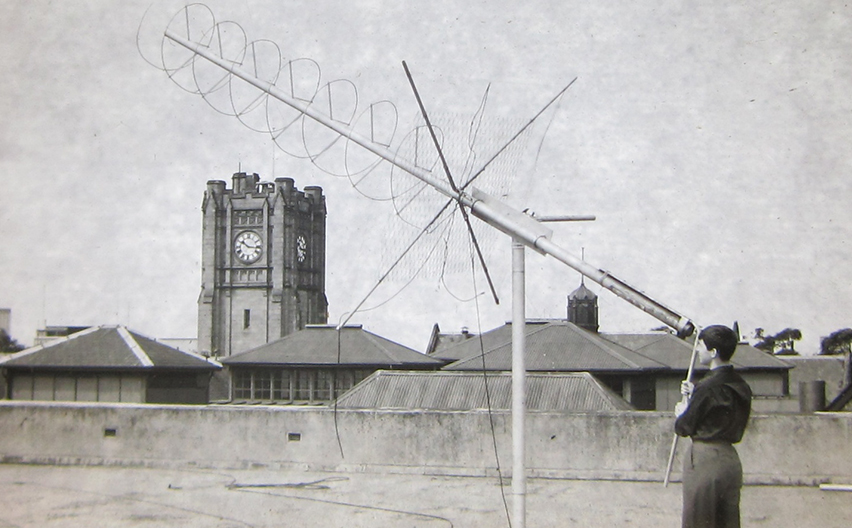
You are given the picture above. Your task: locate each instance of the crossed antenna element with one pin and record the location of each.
(322, 123)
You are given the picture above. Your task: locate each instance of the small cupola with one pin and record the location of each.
(583, 308)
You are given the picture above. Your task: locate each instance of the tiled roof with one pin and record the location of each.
(107, 347)
(467, 391)
(324, 345)
(488, 340)
(551, 346)
(582, 293)
(440, 341)
(675, 353)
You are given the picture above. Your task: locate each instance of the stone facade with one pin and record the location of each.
(263, 263)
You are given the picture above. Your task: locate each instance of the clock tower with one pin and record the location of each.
(262, 263)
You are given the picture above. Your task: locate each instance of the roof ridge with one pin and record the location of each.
(375, 340)
(527, 334)
(38, 348)
(480, 338)
(538, 327)
(663, 337)
(134, 347)
(195, 355)
(608, 346)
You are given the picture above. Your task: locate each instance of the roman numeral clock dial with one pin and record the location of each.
(248, 247)
(301, 249)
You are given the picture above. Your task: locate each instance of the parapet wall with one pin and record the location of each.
(778, 449)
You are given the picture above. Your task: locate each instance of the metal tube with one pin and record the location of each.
(635, 297)
(565, 218)
(344, 130)
(519, 396)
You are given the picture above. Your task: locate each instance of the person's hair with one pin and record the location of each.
(721, 339)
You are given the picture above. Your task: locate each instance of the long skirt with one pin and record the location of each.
(712, 478)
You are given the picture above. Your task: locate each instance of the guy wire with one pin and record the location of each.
(525, 192)
(487, 390)
(397, 261)
(516, 136)
(334, 394)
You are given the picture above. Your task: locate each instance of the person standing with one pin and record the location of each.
(714, 416)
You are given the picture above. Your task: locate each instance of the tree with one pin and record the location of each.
(786, 341)
(839, 342)
(764, 342)
(780, 344)
(7, 344)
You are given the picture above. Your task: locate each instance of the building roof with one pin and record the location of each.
(582, 294)
(439, 341)
(107, 347)
(675, 353)
(562, 346)
(551, 346)
(443, 390)
(324, 345)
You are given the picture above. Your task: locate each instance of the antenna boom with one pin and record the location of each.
(518, 225)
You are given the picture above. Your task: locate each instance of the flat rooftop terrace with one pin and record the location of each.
(71, 496)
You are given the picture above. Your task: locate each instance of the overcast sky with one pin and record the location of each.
(711, 139)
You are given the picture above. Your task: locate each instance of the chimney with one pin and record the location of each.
(215, 188)
(285, 184)
(315, 193)
(239, 180)
(251, 183)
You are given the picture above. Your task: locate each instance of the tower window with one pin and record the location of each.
(246, 318)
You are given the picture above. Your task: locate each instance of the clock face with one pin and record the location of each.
(301, 248)
(248, 247)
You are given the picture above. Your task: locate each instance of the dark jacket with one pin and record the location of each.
(719, 408)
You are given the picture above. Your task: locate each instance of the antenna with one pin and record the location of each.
(452, 183)
(327, 130)
(487, 208)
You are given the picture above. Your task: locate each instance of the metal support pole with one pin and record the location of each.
(684, 399)
(519, 388)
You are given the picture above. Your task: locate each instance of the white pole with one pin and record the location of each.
(519, 396)
(684, 399)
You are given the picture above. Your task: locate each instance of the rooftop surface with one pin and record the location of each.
(387, 389)
(547, 349)
(325, 345)
(55, 496)
(107, 347)
(559, 345)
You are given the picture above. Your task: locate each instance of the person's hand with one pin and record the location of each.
(686, 388)
(681, 408)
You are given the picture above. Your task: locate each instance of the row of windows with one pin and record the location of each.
(248, 275)
(107, 387)
(249, 217)
(295, 385)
